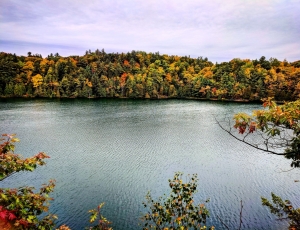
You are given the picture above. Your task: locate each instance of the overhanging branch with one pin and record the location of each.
(252, 145)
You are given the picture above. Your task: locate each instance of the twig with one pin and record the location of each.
(223, 223)
(286, 170)
(8, 175)
(241, 215)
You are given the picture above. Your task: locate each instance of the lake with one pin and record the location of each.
(115, 151)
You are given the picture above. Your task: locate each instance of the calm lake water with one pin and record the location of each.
(114, 151)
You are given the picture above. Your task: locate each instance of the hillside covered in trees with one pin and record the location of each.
(147, 75)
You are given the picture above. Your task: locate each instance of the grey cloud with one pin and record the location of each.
(193, 27)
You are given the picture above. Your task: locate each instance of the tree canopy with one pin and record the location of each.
(138, 74)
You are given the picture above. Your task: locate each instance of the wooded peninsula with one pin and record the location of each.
(138, 74)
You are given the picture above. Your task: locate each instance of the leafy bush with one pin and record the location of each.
(177, 211)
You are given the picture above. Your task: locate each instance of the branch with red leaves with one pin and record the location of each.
(276, 129)
(20, 207)
(11, 162)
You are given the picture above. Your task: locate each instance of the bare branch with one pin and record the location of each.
(286, 170)
(241, 215)
(223, 222)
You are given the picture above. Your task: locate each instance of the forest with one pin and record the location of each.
(138, 74)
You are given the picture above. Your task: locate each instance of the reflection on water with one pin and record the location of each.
(114, 151)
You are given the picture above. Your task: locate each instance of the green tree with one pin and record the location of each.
(19, 90)
(9, 89)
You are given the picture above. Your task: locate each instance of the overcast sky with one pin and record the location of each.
(217, 29)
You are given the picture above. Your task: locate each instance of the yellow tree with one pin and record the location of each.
(28, 68)
(37, 80)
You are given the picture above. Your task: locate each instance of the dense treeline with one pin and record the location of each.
(147, 75)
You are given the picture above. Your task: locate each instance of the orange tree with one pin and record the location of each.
(20, 207)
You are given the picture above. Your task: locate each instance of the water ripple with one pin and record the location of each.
(114, 151)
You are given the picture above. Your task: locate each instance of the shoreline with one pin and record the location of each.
(141, 98)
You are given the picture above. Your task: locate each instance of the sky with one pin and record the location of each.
(217, 29)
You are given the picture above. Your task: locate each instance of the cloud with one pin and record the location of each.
(221, 31)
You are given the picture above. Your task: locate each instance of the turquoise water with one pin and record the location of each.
(114, 151)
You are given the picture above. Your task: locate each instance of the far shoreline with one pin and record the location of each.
(142, 98)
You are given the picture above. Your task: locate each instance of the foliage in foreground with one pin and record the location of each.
(177, 211)
(278, 126)
(11, 162)
(284, 210)
(20, 207)
(103, 223)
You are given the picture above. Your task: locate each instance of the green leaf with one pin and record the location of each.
(4, 197)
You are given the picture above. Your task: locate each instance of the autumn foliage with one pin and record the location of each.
(178, 211)
(278, 132)
(138, 74)
(11, 162)
(21, 207)
(278, 126)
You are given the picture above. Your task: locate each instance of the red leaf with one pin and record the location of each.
(23, 222)
(11, 216)
(3, 214)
